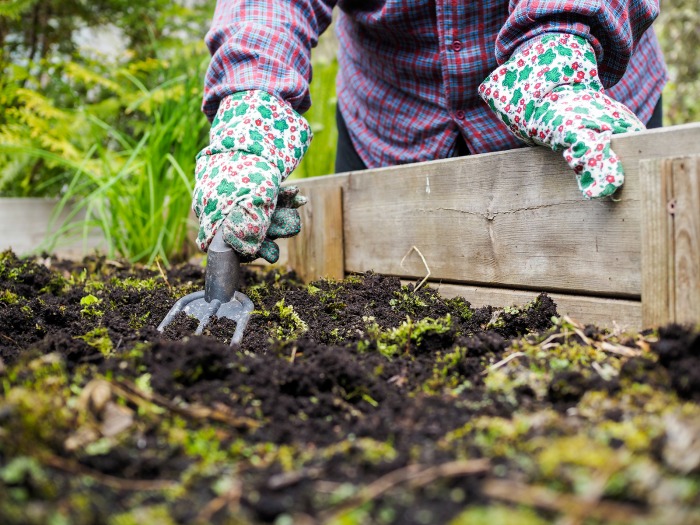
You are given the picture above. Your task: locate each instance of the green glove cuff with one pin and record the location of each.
(256, 142)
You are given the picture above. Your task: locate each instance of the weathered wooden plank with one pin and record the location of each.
(316, 239)
(318, 252)
(671, 240)
(511, 219)
(657, 237)
(25, 224)
(686, 239)
(614, 314)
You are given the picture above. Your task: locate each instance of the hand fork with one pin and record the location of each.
(220, 296)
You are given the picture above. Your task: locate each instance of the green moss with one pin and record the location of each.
(397, 340)
(461, 307)
(291, 326)
(93, 286)
(137, 284)
(99, 339)
(363, 394)
(257, 454)
(327, 291)
(10, 267)
(56, 284)
(353, 279)
(446, 373)
(38, 402)
(575, 450)
(408, 301)
(257, 293)
(498, 513)
(20, 469)
(90, 305)
(7, 297)
(495, 436)
(138, 321)
(156, 514)
(205, 444)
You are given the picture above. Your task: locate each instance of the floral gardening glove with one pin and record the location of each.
(256, 142)
(549, 93)
(285, 222)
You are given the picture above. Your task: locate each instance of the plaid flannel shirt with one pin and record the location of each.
(409, 70)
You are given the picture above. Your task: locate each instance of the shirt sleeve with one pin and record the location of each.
(613, 28)
(264, 45)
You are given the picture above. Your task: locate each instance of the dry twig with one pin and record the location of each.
(162, 274)
(420, 284)
(113, 482)
(605, 346)
(567, 504)
(415, 475)
(619, 349)
(230, 499)
(10, 339)
(129, 390)
(502, 362)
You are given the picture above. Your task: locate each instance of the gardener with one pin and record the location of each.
(419, 80)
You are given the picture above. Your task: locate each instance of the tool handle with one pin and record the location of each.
(223, 273)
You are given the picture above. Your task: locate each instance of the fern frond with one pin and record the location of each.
(91, 78)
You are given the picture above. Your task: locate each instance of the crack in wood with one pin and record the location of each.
(490, 215)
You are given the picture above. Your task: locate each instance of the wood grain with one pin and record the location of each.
(657, 239)
(510, 219)
(318, 253)
(670, 240)
(686, 239)
(318, 250)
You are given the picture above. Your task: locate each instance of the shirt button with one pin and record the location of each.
(459, 114)
(456, 45)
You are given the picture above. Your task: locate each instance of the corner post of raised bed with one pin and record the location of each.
(670, 252)
(318, 252)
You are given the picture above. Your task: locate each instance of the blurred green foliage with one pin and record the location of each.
(62, 97)
(678, 28)
(115, 132)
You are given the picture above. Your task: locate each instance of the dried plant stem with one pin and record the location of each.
(502, 362)
(567, 504)
(230, 499)
(163, 275)
(10, 339)
(131, 391)
(113, 482)
(415, 248)
(415, 475)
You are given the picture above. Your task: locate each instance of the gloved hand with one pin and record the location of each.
(285, 222)
(549, 93)
(256, 142)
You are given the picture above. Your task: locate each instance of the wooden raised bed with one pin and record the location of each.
(26, 223)
(485, 234)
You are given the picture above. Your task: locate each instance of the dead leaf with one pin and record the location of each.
(115, 419)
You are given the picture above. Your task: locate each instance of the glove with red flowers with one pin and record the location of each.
(548, 93)
(257, 140)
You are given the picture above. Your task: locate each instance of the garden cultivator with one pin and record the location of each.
(220, 296)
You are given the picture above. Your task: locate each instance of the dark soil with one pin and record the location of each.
(359, 401)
